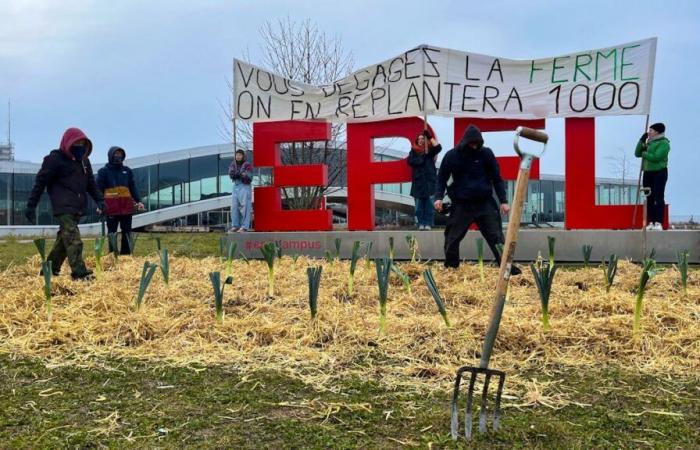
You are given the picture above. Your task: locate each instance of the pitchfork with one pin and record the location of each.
(526, 159)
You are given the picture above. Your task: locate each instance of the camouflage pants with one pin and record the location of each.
(68, 245)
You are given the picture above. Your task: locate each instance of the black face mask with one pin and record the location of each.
(117, 159)
(79, 151)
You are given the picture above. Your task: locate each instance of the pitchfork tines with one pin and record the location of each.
(473, 374)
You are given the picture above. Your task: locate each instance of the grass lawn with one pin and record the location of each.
(127, 403)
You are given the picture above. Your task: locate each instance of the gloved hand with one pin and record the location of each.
(644, 137)
(428, 135)
(30, 214)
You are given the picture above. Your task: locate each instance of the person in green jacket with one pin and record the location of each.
(653, 147)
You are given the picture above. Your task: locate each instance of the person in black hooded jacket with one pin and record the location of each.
(122, 199)
(475, 175)
(67, 176)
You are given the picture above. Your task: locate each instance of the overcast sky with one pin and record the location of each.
(150, 76)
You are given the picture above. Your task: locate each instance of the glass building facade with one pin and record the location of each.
(184, 176)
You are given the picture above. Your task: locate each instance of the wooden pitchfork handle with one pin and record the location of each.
(521, 183)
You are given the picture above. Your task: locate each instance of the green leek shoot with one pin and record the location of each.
(587, 250)
(314, 276)
(432, 287)
(113, 245)
(215, 278)
(353, 265)
(46, 270)
(544, 276)
(230, 255)
(99, 249)
(41, 247)
(268, 250)
(391, 248)
(368, 253)
(550, 243)
(412, 247)
(480, 256)
(164, 265)
(682, 257)
(648, 272)
(146, 276)
(337, 242)
(383, 272)
(403, 277)
(610, 271)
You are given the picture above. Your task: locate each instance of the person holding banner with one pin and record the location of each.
(421, 158)
(241, 173)
(475, 175)
(653, 147)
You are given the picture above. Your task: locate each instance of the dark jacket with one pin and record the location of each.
(424, 174)
(475, 173)
(116, 182)
(241, 172)
(67, 180)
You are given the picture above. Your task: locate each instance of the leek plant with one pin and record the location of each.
(146, 276)
(215, 278)
(329, 257)
(99, 249)
(338, 241)
(432, 287)
(480, 256)
(550, 243)
(403, 277)
(412, 247)
(222, 248)
(587, 250)
(610, 271)
(158, 244)
(295, 257)
(383, 272)
(682, 258)
(113, 245)
(314, 276)
(368, 253)
(244, 258)
(268, 250)
(41, 248)
(391, 248)
(278, 249)
(164, 265)
(544, 276)
(648, 272)
(230, 255)
(46, 270)
(353, 265)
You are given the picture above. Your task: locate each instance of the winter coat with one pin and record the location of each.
(475, 172)
(67, 180)
(116, 182)
(654, 153)
(424, 174)
(241, 172)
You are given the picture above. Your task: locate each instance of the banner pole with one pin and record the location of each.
(639, 182)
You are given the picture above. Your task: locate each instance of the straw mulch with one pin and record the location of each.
(177, 325)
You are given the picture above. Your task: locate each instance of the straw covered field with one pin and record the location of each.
(177, 324)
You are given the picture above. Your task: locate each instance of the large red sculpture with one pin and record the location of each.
(363, 172)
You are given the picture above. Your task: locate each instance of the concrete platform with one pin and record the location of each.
(626, 244)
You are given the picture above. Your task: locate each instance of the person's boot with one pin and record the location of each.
(54, 272)
(86, 275)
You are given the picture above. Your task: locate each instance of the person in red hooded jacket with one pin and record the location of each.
(67, 176)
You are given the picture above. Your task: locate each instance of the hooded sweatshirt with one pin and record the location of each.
(475, 172)
(67, 179)
(116, 182)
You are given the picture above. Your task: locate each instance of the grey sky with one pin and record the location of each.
(149, 76)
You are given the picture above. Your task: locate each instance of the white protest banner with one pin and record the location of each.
(431, 80)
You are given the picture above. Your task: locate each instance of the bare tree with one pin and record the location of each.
(621, 166)
(302, 52)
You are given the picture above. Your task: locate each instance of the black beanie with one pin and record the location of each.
(658, 127)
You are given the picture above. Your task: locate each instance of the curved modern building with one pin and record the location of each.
(191, 187)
